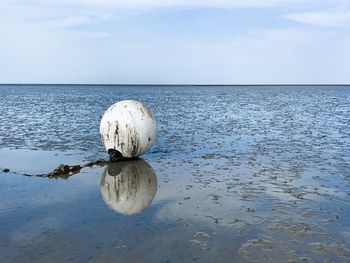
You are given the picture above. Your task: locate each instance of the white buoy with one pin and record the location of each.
(127, 129)
(128, 187)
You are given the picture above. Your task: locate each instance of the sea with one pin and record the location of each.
(237, 174)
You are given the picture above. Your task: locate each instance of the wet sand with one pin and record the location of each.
(243, 175)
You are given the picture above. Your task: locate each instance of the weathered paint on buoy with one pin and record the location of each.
(127, 129)
(128, 187)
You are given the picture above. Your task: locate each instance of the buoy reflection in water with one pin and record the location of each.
(128, 187)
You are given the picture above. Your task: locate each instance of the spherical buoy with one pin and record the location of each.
(127, 129)
(128, 187)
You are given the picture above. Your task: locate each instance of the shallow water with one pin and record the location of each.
(244, 174)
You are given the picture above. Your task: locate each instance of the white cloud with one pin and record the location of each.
(150, 4)
(95, 35)
(323, 18)
(68, 21)
(135, 4)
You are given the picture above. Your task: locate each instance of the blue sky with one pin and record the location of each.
(175, 42)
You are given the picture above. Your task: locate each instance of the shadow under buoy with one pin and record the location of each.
(128, 187)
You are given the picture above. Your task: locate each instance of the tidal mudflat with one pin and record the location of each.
(237, 174)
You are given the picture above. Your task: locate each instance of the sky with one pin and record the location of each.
(175, 41)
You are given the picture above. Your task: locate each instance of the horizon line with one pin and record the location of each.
(195, 85)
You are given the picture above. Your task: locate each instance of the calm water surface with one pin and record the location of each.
(241, 174)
